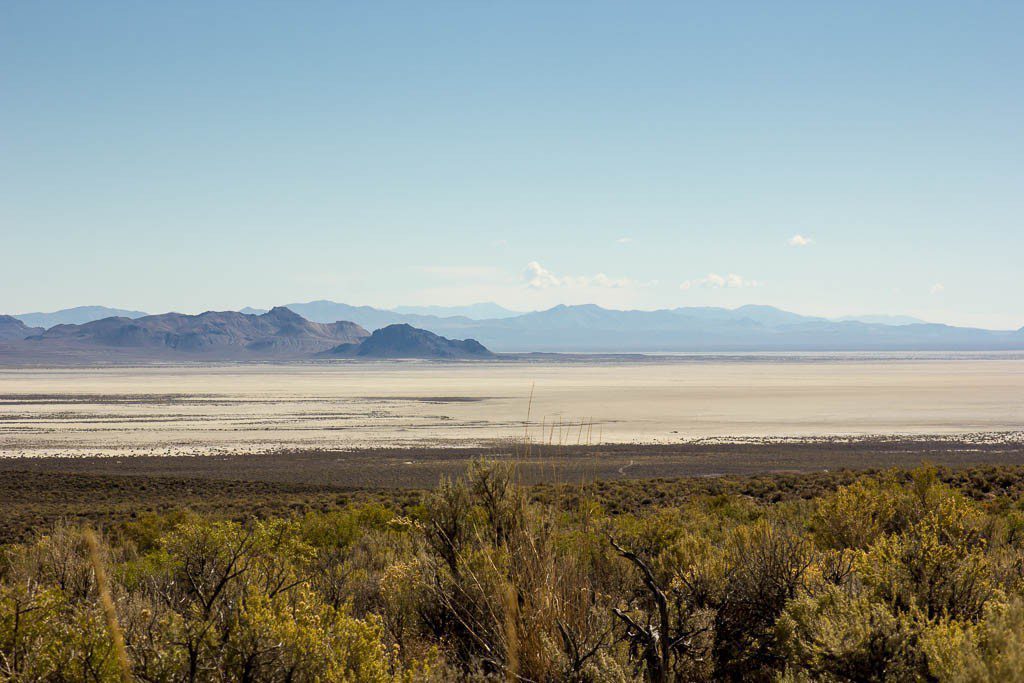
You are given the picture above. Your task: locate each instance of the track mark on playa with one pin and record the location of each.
(622, 470)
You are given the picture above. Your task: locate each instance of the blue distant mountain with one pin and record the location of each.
(369, 317)
(75, 316)
(882, 319)
(591, 328)
(482, 311)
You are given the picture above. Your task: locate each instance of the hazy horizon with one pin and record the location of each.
(454, 310)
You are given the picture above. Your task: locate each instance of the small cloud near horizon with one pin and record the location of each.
(716, 281)
(624, 240)
(937, 288)
(799, 240)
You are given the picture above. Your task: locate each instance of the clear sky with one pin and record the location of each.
(827, 158)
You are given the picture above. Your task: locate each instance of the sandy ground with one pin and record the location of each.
(197, 410)
(175, 410)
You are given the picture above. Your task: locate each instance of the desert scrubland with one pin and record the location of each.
(880, 576)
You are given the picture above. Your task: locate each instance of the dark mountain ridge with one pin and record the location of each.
(224, 335)
(278, 330)
(12, 329)
(406, 341)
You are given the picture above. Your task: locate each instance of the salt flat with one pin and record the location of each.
(259, 408)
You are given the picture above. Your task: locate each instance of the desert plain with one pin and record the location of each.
(109, 443)
(257, 408)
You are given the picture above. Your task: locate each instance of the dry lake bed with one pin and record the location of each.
(261, 408)
(106, 444)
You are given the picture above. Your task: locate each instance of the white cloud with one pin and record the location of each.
(539, 277)
(716, 281)
(799, 241)
(734, 280)
(937, 288)
(624, 240)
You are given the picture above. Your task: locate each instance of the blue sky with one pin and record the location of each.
(194, 156)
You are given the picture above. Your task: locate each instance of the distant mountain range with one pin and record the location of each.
(584, 328)
(591, 328)
(882, 319)
(481, 311)
(226, 335)
(75, 316)
(328, 311)
(325, 309)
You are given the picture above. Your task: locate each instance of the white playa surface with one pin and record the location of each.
(254, 408)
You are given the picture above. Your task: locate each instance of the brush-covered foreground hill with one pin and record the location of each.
(406, 341)
(216, 333)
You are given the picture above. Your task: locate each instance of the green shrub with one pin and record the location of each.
(939, 564)
(989, 652)
(886, 577)
(838, 637)
(855, 516)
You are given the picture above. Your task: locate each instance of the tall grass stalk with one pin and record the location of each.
(107, 601)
